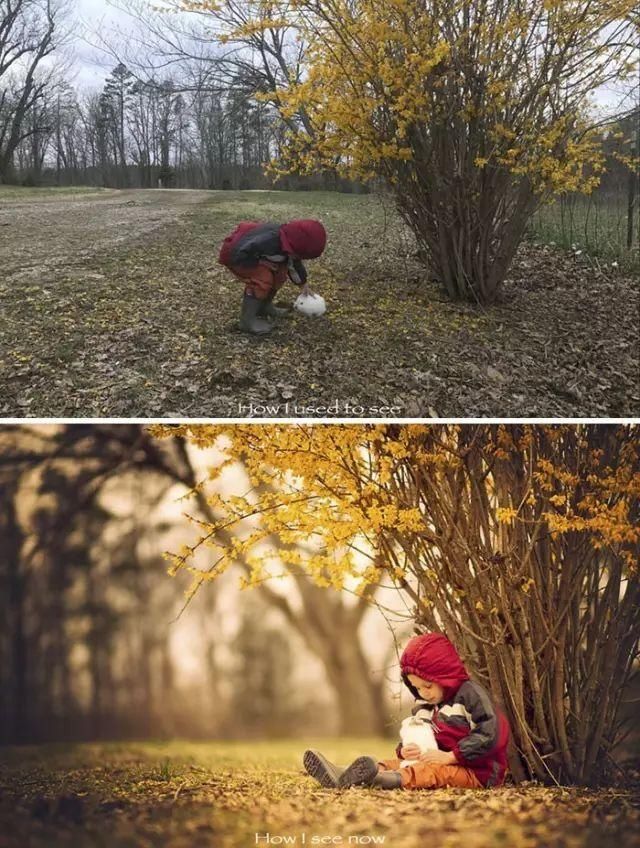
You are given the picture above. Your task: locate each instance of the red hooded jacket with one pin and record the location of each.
(466, 721)
(303, 238)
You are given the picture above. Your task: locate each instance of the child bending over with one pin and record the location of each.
(263, 255)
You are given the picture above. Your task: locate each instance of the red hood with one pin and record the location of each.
(433, 657)
(304, 237)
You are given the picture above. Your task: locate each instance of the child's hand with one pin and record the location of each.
(444, 758)
(410, 752)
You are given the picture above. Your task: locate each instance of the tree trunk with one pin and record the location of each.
(631, 203)
(16, 592)
(468, 240)
(7, 173)
(360, 699)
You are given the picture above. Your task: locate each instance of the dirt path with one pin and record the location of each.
(112, 305)
(61, 232)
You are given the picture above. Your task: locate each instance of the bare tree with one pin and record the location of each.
(30, 30)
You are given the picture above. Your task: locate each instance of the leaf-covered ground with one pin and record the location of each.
(187, 795)
(112, 304)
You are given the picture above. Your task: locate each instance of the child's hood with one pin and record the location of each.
(303, 237)
(433, 657)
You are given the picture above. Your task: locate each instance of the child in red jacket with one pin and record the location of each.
(263, 255)
(472, 734)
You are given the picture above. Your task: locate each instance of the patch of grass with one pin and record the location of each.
(9, 192)
(595, 224)
(166, 770)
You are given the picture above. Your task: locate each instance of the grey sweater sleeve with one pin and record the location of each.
(484, 732)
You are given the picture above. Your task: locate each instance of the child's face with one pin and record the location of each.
(427, 689)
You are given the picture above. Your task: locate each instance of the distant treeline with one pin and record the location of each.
(153, 135)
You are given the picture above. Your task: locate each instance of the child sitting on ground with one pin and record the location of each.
(471, 734)
(262, 255)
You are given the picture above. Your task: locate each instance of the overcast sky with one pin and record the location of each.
(92, 19)
(89, 17)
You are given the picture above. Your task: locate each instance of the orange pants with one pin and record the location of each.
(261, 279)
(432, 775)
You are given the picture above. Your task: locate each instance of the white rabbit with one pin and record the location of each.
(417, 730)
(311, 305)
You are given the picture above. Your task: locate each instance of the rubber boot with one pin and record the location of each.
(319, 767)
(268, 310)
(388, 780)
(361, 772)
(250, 321)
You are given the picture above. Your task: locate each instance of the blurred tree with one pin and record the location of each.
(263, 702)
(81, 584)
(13, 594)
(66, 590)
